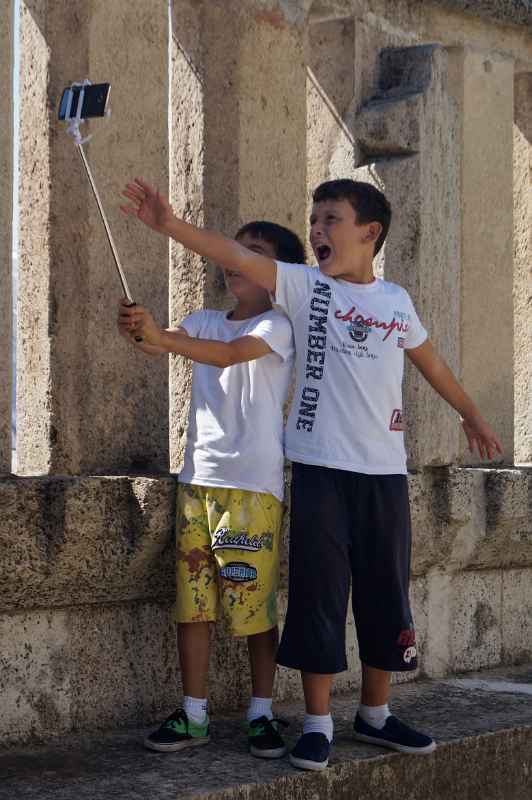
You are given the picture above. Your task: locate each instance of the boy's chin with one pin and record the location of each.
(330, 268)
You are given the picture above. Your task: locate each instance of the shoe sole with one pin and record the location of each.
(401, 748)
(174, 748)
(279, 752)
(303, 763)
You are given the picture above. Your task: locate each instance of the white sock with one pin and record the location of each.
(259, 707)
(375, 716)
(195, 708)
(316, 723)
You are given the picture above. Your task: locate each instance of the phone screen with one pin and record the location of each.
(94, 101)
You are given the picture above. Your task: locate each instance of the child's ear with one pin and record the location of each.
(373, 232)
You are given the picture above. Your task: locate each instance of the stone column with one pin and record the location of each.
(522, 267)
(406, 137)
(238, 149)
(6, 211)
(483, 83)
(86, 401)
(330, 93)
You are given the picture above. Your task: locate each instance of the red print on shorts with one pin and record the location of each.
(407, 638)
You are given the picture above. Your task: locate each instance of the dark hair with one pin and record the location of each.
(368, 202)
(288, 246)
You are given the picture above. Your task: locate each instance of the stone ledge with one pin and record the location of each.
(71, 541)
(482, 722)
(86, 540)
(513, 12)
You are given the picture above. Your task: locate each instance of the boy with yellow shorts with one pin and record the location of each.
(230, 488)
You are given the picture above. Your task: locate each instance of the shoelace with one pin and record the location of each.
(265, 725)
(179, 715)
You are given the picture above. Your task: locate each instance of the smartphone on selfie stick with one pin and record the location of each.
(82, 101)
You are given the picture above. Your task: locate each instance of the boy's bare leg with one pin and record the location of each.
(262, 649)
(317, 691)
(375, 689)
(193, 641)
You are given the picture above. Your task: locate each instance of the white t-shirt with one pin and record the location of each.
(235, 431)
(350, 340)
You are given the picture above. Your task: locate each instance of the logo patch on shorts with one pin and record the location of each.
(409, 654)
(224, 539)
(239, 572)
(397, 422)
(400, 342)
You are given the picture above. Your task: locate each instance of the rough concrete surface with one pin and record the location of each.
(515, 12)
(6, 210)
(482, 723)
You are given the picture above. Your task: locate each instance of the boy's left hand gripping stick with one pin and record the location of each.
(74, 132)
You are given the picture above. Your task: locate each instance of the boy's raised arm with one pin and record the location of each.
(435, 370)
(154, 210)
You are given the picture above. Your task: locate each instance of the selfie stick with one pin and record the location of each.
(73, 130)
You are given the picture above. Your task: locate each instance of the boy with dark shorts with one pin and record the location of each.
(230, 488)
(350, 511)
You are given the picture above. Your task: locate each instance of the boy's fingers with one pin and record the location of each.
(130, 210)
(145, 186)
(132, 196)
(135, 190)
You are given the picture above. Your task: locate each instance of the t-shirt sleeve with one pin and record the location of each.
(293, 286)
(276, 331)
(193, 323)
(416, 334)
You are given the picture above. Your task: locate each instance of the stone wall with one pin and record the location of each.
(238, 111)
(6, 169)
(86, 609)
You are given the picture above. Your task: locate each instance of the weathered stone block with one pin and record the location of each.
(476, 621)
(517, 616)
(68, 541)
(84, 668)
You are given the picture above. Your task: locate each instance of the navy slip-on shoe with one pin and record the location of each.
(395, 735)
(311, 752)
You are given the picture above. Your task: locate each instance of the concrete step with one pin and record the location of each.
(482, 722)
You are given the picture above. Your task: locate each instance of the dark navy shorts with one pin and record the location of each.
(348, 528)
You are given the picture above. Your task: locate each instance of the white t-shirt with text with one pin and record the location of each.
(350, 339)
(235, 431)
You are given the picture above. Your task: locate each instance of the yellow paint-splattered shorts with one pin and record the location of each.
(228, 557)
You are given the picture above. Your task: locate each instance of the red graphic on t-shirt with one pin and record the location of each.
(396, 422)
(389, 327)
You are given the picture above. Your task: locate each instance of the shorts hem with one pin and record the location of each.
(386, 668)
(254, 632)
(292, 664)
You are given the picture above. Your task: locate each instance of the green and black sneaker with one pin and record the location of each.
(264, 738)
(178, 732)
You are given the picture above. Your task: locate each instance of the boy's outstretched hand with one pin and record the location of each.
(481, 437)
(149, 206)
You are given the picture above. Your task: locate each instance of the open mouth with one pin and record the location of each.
(232, 273)
(323, 251)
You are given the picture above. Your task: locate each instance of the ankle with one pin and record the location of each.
(319, 723)
(375, 716)
(195, 708)
(259, 707)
